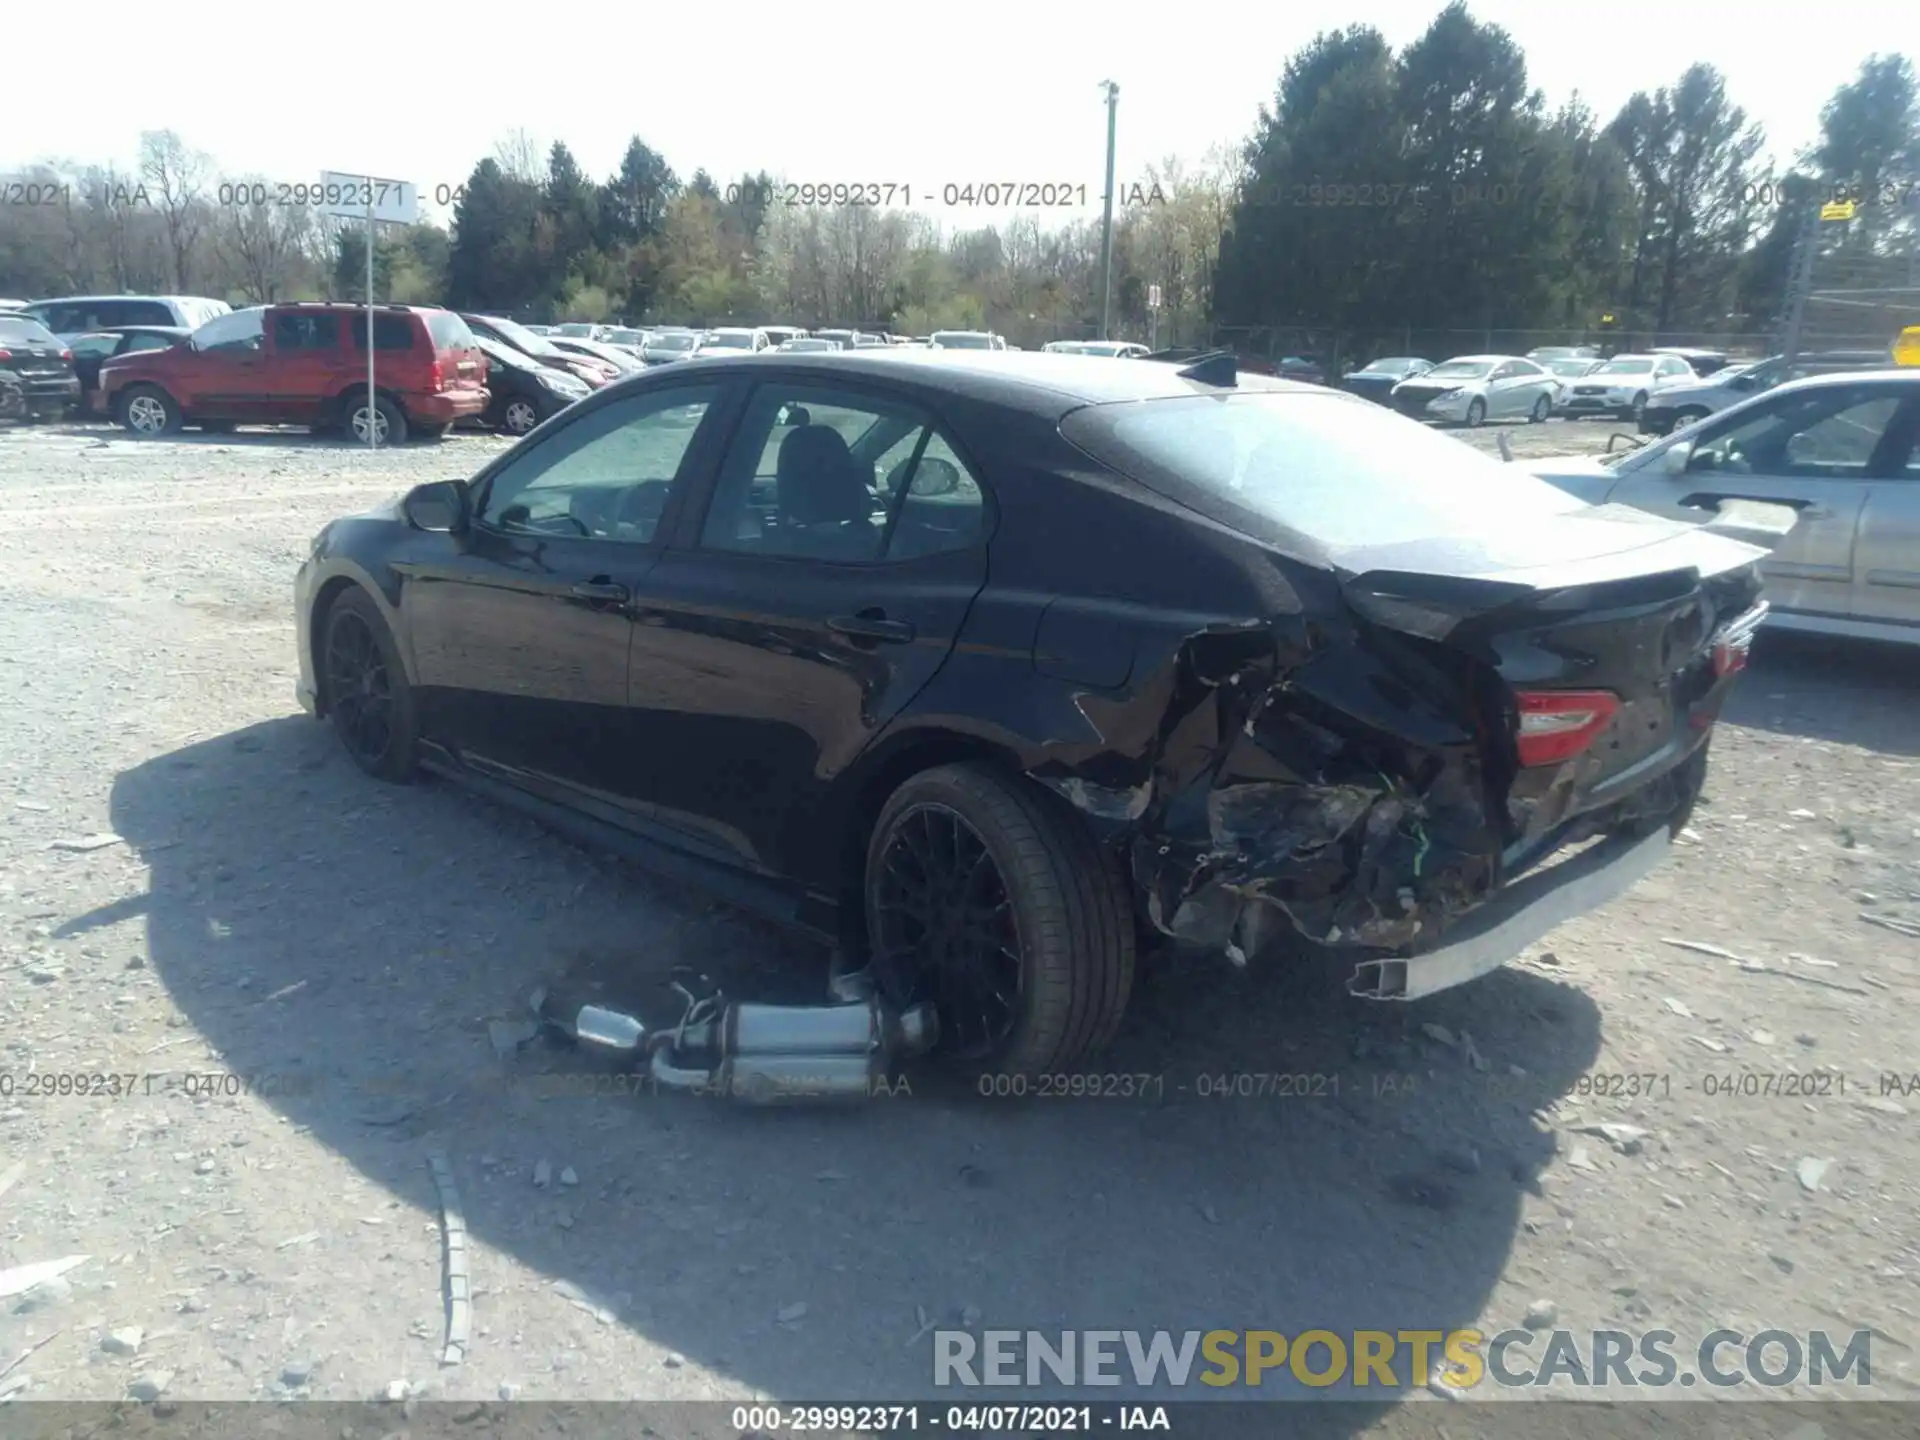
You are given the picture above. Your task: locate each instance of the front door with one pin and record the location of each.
(1812, 449)
(221, 374)
(843, 543)
(1886, 586)
(521, 638)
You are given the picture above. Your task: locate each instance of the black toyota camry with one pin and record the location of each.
(984, 667)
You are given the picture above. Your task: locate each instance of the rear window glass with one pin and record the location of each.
(449, 331)
(390, 332)
(19, 330)
(1329, 467)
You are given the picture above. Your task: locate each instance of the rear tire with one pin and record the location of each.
(946, 843)
(369, 702)
(388, 422)
(147, 410)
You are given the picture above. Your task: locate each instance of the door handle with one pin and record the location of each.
(872, 625)
(604, 591)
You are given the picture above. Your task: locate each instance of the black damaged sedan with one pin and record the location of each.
(988, 668)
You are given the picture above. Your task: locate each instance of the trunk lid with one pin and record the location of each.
(1634, 641)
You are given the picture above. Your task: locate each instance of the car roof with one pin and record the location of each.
(1029, 380)
(1892, 375)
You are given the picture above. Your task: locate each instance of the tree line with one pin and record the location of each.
(1380, 195)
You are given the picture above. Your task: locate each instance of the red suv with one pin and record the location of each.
(305, 364)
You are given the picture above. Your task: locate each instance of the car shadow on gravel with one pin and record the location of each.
(1287, 1159)
(1850, 692)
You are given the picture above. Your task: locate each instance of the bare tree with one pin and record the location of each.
(176, 176)
(522, 157)
(262, 245)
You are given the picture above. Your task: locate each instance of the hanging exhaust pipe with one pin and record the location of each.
(766, 1054)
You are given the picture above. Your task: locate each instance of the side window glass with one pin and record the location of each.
(1814, 435)
(94, 344)
(793, 482)
(943, 507)
(233, 334)
(146, 342)
(605, 477)
(305, 330)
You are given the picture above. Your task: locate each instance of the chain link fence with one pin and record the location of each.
(1857, 300)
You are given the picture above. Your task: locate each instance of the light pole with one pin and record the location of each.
(1106, 222)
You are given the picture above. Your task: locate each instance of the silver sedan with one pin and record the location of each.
(1843, 450)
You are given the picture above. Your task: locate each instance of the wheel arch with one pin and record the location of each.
(866, 788)
(337, 407)
(326, 595)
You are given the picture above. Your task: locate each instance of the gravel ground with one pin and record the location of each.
(267, 912)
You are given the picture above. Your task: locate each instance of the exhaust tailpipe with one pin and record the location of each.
(766, 1054)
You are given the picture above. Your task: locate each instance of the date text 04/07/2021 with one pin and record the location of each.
(1011, 1419)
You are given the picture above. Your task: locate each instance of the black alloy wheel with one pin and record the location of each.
(990, 898)
(946, 929)
(368, 698)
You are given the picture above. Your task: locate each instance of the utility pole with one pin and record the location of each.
(1106, 222)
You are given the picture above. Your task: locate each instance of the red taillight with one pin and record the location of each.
(1730, 657)
(1556, 725)
(6, 354)
(67, 355)
(438, 375)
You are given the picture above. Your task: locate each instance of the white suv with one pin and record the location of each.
(1624, 385)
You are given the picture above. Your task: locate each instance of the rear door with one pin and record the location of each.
(808, 601)
(1887, 553)
(306, 363)
(1816, 450)
(463, 367)
(521, 639)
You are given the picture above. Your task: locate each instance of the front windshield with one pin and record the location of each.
(524, 339)
(1626, 367)
(955, 340)
(809, 346)
(723, 340)
(670, 342)
(1569, 367)
(1392, 366)
(1459, 370)
(575, 332)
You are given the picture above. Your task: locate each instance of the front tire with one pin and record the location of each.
(369, 700)
(1639, 408)
(1684, 418)
(148, 410)
(1476, 413)
(519, 416)
(986, 896)
(1542, 408)
(388, 423)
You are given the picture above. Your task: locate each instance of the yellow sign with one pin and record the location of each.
(1906, 346)
(1837, 210)
(1606, 319)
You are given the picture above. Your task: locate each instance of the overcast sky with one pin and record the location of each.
(835, 91)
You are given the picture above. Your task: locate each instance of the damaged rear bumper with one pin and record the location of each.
(1522, 913)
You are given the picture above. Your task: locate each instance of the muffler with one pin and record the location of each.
(765, 1054)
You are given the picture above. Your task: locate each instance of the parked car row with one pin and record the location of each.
(1572, 381)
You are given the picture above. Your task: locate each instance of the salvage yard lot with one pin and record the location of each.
(269, 912)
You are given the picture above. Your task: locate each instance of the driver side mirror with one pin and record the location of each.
(439, 507)
(1742, 382)
(1674, 461)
